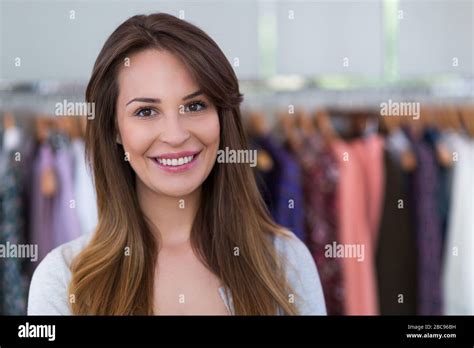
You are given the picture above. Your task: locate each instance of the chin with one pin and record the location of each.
(176, 190)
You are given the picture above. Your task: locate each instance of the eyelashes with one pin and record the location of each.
(194, 107)
(199, 103)
(144, 112)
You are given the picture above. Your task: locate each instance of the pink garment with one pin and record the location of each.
(360, 195)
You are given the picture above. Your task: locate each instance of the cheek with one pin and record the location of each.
(136, 138)
(209, 132)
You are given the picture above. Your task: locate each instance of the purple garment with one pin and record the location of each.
(424, 190)
(320, 178)
(286, 187)
(66, 226)
(41, 210)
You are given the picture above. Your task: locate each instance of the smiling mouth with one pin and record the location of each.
(176, 161)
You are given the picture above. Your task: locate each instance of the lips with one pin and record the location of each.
(177, 159)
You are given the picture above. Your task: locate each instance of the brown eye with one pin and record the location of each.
(145, 112)
(195, 106)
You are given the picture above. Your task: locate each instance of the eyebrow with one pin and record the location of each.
(157, 100)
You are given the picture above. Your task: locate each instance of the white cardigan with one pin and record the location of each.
(49, 285)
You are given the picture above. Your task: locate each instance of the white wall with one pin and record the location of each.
(323, 35)
(433, 33)
(53, 46)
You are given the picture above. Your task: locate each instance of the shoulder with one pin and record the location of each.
(301, 272)
(48, 293)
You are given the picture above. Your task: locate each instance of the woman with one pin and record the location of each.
(178, 232)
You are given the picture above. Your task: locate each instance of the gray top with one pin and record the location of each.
(49, 285)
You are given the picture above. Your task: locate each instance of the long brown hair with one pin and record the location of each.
(114, 274)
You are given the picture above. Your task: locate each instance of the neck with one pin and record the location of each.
(171, 218)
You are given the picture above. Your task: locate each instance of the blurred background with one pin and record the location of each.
(361, 112)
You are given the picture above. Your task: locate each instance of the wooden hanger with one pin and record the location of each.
(8, 120)
(427, 116)
(42, 125)
(287, 123)
(70, 126)
(449, 118)
(417, 126)
(305, 123)
(359, 118)
(62, 125)
(257, 123)
(454, 118)
(75, 128)
(408, 161)
(83, 126)
(324, 125)
(467, 118)
(48, 180)
(390, 123)
(439, 117)
(442, 120)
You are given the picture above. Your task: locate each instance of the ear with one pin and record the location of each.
(118, 140)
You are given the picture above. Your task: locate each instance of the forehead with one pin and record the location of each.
(155, 73)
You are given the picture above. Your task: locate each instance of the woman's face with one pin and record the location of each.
(168, 128)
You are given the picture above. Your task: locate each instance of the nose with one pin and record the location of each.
(172, 131)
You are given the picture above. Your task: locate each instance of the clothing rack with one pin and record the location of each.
(41, 97)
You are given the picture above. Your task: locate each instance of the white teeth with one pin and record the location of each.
(175, 161)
